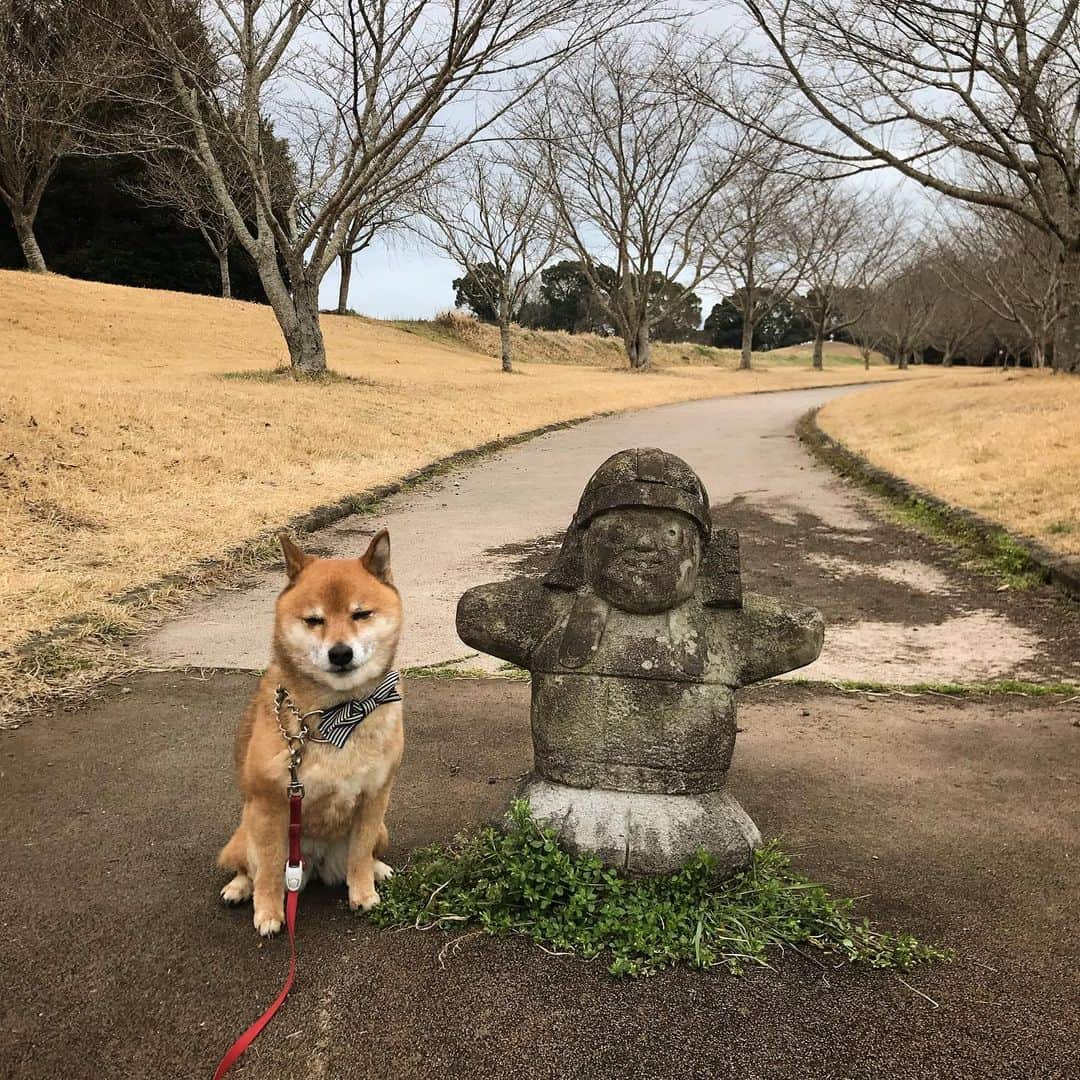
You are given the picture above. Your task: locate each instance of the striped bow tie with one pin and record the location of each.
(340, 721)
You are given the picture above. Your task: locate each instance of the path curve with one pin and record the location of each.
(475, 523)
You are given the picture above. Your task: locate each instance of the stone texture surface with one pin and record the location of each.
(646, 833)
(630, 734)
(637, 640)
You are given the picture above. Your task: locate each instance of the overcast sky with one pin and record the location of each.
(395, 282)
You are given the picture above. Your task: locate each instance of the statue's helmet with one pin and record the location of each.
(642, 477)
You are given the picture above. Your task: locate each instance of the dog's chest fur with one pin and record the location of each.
(335, 781)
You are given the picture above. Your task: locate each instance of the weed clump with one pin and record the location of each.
(462, 327)
(522, 881)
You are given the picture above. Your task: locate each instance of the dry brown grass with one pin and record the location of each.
(837, 352)
(559, 347)
(1006, 446)
(457, 329)
(124, 454)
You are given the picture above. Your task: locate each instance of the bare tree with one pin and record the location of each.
(632, 169)
(959, 323)
(757, 237)
(358, 237)
(852, 240)
(57, 73)
(976, 100)
(175, 181)
(864, 329)
(362, 90)
(1012, 270)
(904, 310)
(393, 220)
(491, 219)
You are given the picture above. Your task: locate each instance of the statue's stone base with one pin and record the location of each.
(646, 833)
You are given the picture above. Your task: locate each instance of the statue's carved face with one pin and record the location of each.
(643, 560)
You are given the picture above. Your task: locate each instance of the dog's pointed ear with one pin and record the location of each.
(295, 559)
(376, 559)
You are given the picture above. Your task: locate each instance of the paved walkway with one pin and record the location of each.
(897, 609)
(955, 820)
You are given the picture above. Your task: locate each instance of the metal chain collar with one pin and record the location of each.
(294, 743)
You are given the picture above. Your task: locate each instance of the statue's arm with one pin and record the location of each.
(506, 619)
(774, 636)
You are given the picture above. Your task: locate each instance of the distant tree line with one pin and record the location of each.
(985, 292)
(564, 300)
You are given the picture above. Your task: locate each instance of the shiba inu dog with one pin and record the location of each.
(336, 629)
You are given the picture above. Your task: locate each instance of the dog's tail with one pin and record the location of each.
(234, 854)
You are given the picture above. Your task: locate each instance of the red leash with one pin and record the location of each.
(294, 869)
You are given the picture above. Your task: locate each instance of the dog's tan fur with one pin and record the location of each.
(347, 790)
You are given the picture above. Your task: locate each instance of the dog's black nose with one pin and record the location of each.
(340, 655)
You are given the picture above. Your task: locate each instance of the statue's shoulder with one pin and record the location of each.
(757, 614)
(508, 618)
(759, 606)
(765, 636)
(514, 594)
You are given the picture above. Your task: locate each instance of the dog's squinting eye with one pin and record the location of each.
(314, 620)
(358, 616)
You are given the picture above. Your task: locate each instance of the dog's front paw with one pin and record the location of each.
(383, 871)
(363, 899)
(238, 890)
(269, 923)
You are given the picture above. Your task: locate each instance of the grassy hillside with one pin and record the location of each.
(141, 431)
(835, 352)
(1006, 446)
(559, 347)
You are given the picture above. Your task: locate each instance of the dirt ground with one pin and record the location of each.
(958, 820)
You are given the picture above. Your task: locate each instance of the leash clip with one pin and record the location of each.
(295, 758)
(294, 876)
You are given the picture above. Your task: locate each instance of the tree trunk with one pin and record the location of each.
(226, 280)
(24, 230)
(902, 359)
(865, 357)
(504, 344)
(1067, 343)
(745, 357)
(307, 351)
(819, 348)
(345, 260)
(639, 349)
(946, 358)
(297, 314)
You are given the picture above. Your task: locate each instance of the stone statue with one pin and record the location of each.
(637, 641)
